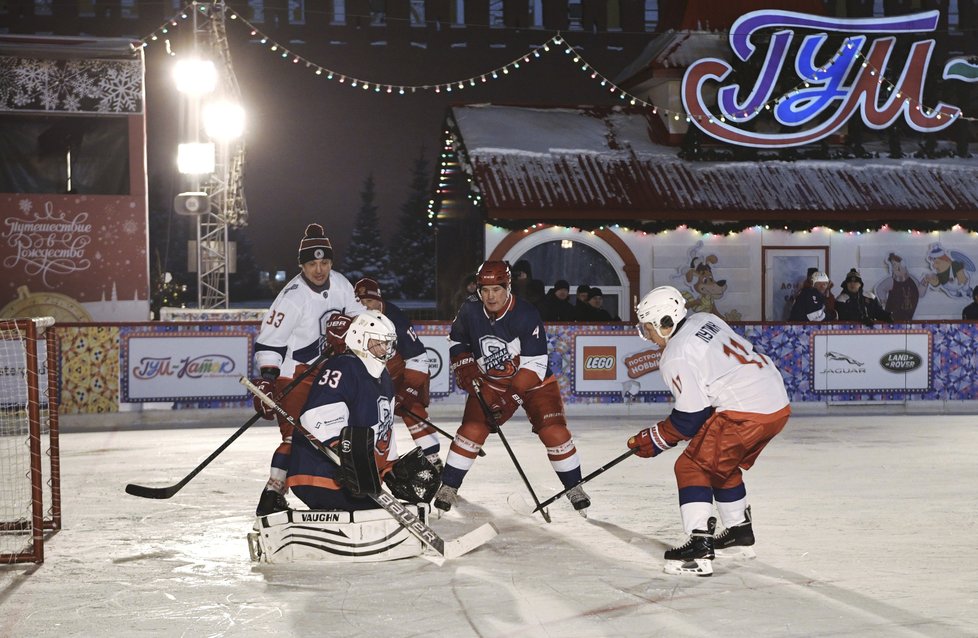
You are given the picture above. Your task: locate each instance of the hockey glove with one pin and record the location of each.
(336, 329)
(413, 478)
(466, 370)
(267, 387)
(502, 402)
(643, 442)
(413, 394)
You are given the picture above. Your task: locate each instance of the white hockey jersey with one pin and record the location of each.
(294, 330)
(708, 364)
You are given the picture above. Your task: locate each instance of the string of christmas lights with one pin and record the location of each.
(556, 43)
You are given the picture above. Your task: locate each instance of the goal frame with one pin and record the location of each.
(43, 445)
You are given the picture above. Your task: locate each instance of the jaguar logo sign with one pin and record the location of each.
(900, 361)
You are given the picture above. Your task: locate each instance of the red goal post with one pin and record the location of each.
(30, 469)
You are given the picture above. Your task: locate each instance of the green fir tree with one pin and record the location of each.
(368, 256)
(413, 248)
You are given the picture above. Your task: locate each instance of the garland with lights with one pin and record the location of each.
(556, 43)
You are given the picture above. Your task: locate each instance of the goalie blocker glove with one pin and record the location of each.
(358, 464)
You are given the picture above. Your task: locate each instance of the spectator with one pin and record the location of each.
(555, 306)
(830, 311)
(810, 304)
(582, 309)
(856, 304)
(595, 300)
(525, 286)
(469, 291)
(970, 312)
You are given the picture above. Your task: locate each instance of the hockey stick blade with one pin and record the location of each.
(143, 491)
(404, 516)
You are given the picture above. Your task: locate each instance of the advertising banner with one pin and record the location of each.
(13, 372)
(615, 364)
(185, 366)
(435, 339)
(871, 361)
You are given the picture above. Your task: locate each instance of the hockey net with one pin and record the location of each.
(30, 472)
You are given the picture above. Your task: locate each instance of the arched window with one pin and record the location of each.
(578, 263)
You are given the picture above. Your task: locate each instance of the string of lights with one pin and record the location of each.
(557, 43)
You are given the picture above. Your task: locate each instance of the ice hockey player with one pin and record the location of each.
(350, 408)
(408, 369)
(293, 335)
(730, 401)
(500, 341)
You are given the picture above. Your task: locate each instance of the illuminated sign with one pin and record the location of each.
(825, 96)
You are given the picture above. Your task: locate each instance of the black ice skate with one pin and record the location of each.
(271, 502)
(736, 541)
(579, 499)
(696, 556)
(445, 497)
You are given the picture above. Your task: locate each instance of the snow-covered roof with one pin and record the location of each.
(602, 163)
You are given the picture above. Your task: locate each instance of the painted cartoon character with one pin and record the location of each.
(950, 271)
(704, 288)
(900, 292)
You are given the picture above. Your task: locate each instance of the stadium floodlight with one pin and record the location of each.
(194, 76)
(223, 120)
(195, 158)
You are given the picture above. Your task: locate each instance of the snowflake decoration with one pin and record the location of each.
(25, 205)
(120, 87)
(130, 227)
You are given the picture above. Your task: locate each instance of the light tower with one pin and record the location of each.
(214, 168)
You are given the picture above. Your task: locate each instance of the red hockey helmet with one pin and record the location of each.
(494, 273)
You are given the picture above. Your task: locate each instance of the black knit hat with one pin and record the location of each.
(853, 275)
(561, 285)
(584, 288)
(314, 245)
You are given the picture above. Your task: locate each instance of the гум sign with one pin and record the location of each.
(826, 96)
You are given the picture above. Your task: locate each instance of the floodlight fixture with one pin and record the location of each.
(195, 158)
(194, 76)
(224, 120)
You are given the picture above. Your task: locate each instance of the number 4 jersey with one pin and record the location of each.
(707, 364)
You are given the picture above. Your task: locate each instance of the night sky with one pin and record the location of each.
(311, 142)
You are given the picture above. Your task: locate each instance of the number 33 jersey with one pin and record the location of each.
(707, 364)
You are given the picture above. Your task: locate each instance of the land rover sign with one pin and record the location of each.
(901, 361)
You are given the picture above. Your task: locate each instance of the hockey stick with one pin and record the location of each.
(167, 492)
(404, 517)
(435, 427)
(600, 470)
(502, 437)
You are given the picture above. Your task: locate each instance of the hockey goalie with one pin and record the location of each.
(350, 409)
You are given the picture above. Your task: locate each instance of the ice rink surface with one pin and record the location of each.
(865, 526)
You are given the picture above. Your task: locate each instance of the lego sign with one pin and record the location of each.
(615, 364)
(828, 93)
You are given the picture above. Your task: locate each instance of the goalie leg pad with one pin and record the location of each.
(358, 464)
(334, 536)
(413, 478)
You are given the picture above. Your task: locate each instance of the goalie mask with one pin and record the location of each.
(663, 307)
(372, 337)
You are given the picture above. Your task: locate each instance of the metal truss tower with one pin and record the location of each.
(225, 186)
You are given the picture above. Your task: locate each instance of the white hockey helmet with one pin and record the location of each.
(372, 337)
(662, 307)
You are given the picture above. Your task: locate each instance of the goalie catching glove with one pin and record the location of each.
(413, 478)
(358, 465)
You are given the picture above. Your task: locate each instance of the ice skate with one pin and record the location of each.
(695, 557)
(445, 497)
(736, 541)
(271, 502)
(579, 499)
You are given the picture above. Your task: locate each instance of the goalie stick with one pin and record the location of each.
(435, 427)
(404, 517)
(498, 430)
(169, 491)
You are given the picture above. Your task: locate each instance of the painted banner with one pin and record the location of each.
(185, 366)
(871, 361)
(617, 365)
(13, 371)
